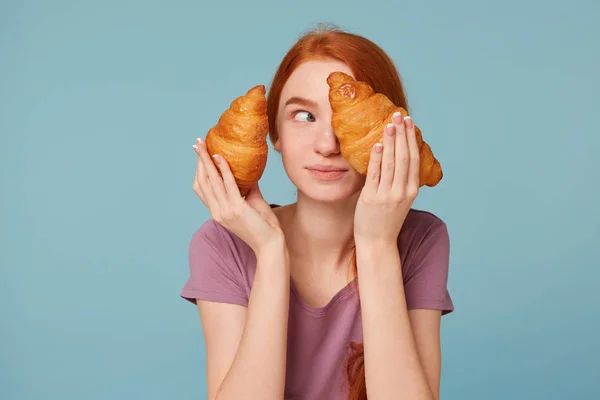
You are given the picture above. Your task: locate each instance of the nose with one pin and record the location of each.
(326, 143)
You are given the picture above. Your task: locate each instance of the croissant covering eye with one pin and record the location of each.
(240, 136)
(358, 121)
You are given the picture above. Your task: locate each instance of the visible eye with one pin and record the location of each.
(304, 116)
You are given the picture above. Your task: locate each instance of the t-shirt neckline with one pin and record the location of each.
(318, 311)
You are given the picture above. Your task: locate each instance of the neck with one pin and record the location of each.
(321, 234)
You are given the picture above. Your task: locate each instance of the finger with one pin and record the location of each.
(202, 185)
(414, 169)
(231, 187)
(402, 154)
(197, 189)
(255, 197)
(215, 179)
(253, 192)
(374, 168)
(387, 160)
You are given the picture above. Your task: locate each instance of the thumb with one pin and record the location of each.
(254, 192)
(255, 198)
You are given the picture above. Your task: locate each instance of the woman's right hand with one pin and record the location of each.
(251, 219)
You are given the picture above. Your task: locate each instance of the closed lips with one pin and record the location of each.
(326, 169)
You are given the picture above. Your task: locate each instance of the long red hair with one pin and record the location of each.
(369, 63)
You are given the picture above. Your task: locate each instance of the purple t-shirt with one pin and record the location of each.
(222, 269)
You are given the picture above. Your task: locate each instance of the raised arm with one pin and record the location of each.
(402, 355)
(246, 347)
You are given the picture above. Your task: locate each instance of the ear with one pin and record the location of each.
(277, 145)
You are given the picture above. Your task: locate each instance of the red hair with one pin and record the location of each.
(369, 63)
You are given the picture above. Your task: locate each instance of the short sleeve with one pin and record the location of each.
(426, 282)
(214, 273)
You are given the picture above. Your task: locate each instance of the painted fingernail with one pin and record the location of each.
(390, 129)
(397, 118)
(409, 122)
(216, 157)
(378, 147)
(195, 147)
(198, 140)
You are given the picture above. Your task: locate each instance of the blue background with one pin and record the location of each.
(100, 103)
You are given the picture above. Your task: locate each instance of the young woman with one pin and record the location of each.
(341, 293)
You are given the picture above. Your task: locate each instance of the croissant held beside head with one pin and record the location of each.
(240, 136)
(359, 118)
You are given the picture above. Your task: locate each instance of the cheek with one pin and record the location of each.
(293, 153)
(295, 156)
(296, 141)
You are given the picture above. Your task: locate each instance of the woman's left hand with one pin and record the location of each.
(391, 186)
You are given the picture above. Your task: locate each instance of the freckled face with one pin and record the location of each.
(309, 148)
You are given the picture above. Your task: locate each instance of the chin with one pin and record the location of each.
(328, 196)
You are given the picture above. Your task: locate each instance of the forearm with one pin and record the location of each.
(392, 366)
(258, 369)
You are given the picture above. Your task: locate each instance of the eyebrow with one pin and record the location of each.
(301, 101)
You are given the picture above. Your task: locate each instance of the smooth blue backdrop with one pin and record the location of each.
(101, 101)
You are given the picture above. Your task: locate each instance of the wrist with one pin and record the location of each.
(381, 253)
(273, 249)
(374, 246)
